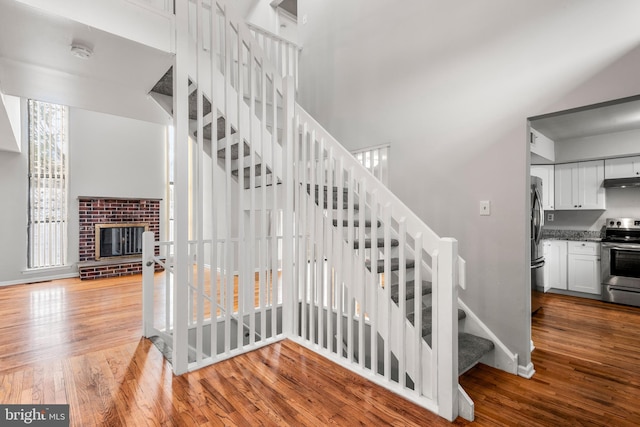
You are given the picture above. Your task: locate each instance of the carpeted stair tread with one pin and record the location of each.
(247, 171)
(167, 351)
(356, 223)
(367, 243)
(395, 265)
(325, 188)
(395, 290)
(335, 205)
(164, 86)
(234, 150)
(471, 348)
(427, 326)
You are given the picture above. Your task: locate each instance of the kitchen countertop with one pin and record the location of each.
(577, 235)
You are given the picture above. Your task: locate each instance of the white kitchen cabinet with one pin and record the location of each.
(542, 148)
(583, 268)
(546, 173)
(579, 185)
(625, 167)
(555, 264)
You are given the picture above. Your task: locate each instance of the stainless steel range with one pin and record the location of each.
(620, 261)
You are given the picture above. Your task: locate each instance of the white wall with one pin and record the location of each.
(449, 85)
(13, 214)
(108, 156)
(10, 129)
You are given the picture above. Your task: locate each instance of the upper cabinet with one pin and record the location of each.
(579, 185)
(625, 167)
(546, 173)
(542, 148)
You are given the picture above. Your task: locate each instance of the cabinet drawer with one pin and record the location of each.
(584, 248)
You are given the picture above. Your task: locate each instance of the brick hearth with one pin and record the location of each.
(96, 210)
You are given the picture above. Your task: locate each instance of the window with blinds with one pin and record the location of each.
(48, 184)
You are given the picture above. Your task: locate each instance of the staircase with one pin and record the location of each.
(282, 234)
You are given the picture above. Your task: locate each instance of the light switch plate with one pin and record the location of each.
(485, 207)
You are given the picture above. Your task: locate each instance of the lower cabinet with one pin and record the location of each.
(555, 264)
(583, 271)
(572, 265)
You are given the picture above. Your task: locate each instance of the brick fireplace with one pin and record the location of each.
(101, 211)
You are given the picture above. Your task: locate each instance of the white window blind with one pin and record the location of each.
(48, 184)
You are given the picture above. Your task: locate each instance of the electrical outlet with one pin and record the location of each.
(550, 217)
(485, 207)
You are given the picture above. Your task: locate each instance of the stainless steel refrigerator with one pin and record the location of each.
(537, 256)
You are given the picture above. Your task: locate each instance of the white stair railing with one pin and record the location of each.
(241, 293)
(226, 297)
(345, 308)
(279, 51)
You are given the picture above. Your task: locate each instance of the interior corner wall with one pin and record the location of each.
(449, 86)
(109, 156)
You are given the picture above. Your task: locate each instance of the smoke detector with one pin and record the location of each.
(81, 51)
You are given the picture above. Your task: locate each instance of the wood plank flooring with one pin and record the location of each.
(78, 342)
(587, 362)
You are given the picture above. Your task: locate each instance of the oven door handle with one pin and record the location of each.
(617, 247)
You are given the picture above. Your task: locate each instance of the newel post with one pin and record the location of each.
(181, 189)
(289, 133)
(148, 270)
(446, 328)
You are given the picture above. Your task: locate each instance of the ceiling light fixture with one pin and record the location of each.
(81, 51)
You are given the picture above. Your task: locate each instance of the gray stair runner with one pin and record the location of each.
(165, 87)
(356, 223)
(367, 243)
(427, 324)
(395, 265)
(234, 151)
(167, 351)
(345, 197)
(410, 292)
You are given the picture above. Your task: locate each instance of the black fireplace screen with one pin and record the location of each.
(119, 240)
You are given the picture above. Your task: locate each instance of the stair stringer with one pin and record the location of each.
(501, 357)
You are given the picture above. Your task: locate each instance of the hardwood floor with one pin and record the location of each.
(78, 342)
(587, 362)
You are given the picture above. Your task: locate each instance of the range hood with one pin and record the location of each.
(622, 182)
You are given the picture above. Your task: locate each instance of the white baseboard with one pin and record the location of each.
(37, 279)
(526, 371)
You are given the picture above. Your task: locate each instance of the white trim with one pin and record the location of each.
(373, 147)
(466, 407)
(501, 358)
(526, 371)
(39, 279)
(34, 271)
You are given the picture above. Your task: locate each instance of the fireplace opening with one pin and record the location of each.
(119, 240)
